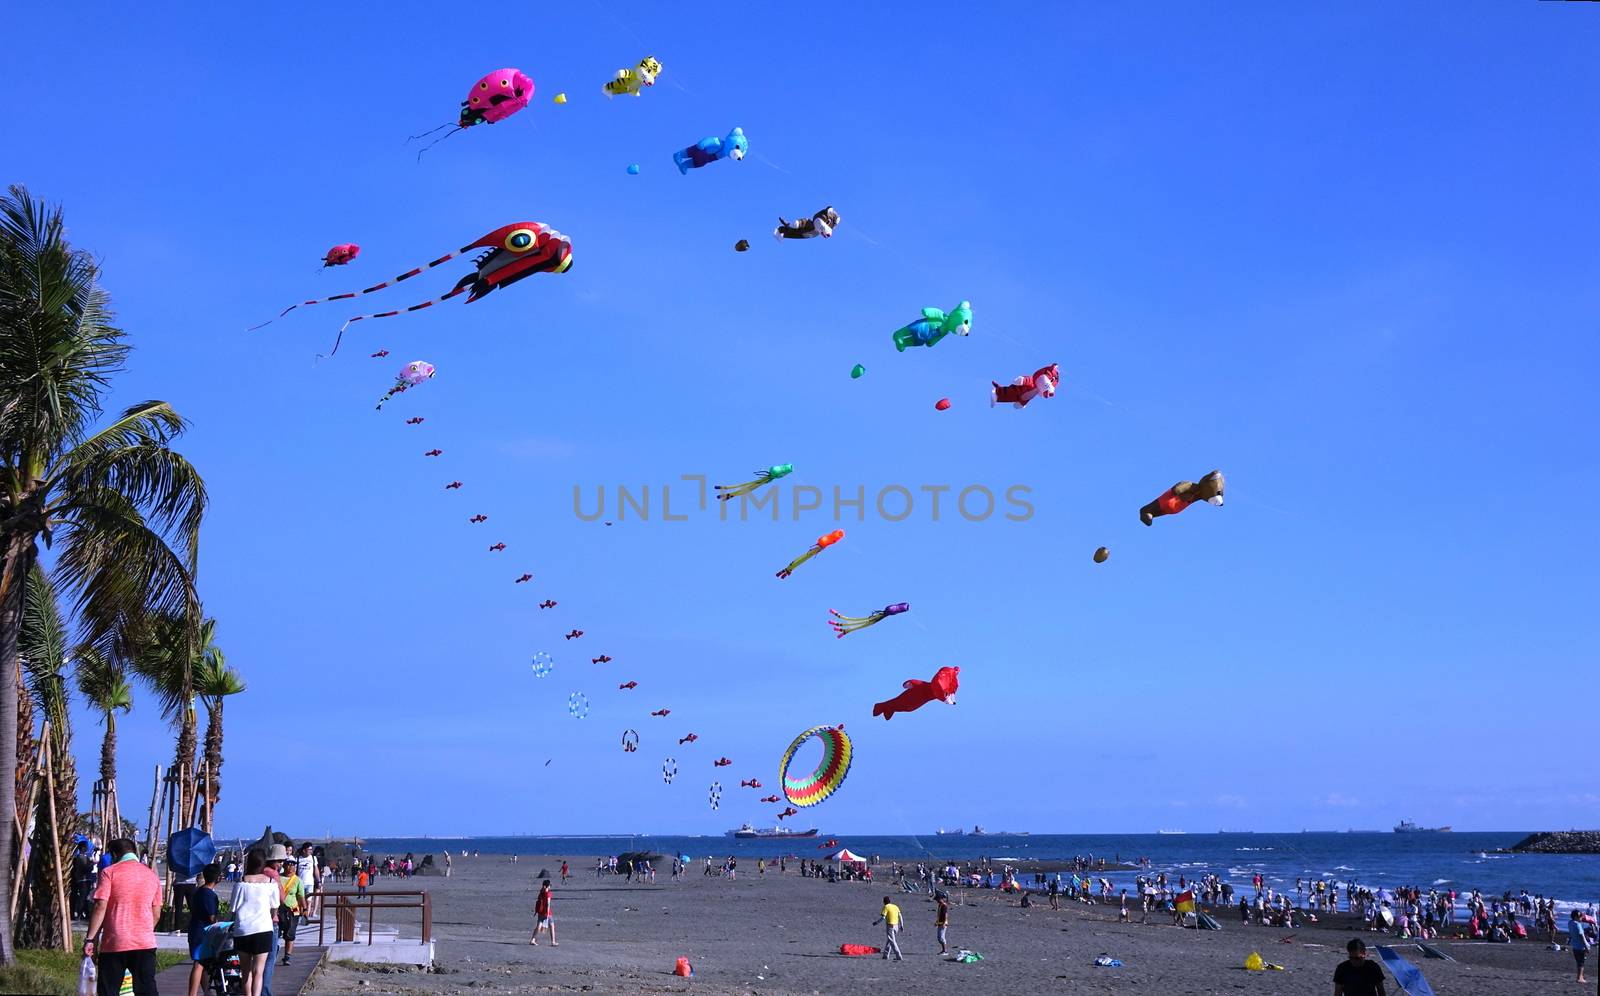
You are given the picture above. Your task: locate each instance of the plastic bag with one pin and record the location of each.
(86, 977)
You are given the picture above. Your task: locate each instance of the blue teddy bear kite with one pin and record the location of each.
(709, 150)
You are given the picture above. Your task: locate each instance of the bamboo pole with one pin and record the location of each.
(22, 840)
(150, 833)
(62, 912)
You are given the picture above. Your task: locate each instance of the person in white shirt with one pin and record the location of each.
(254, 907)
(306, 866)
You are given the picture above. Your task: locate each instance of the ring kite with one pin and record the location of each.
(630, 740)
(716, 795)
(1183, 494)
(578, 705)
(543, 664)
(669, 770)
(845, 625)
(830, 771)
(513, 251)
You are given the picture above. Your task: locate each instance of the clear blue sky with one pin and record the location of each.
(1346, 255)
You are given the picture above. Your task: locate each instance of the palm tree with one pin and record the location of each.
(119, 507)
(168, 655)
(43, 651)
(102, 681)
(214, 680)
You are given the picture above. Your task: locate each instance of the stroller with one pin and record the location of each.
(224, 976)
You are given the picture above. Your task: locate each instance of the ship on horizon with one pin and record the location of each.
(1406, 826)
(748, 832)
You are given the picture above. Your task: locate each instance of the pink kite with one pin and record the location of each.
(492, 99)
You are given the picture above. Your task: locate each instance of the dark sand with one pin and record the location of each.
(781, 934)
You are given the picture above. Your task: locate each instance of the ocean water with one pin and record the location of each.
(1460, 861)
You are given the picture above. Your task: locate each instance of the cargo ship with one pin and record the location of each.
(748, 832)
(1406, 826)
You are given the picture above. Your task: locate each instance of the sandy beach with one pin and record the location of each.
(781, 934)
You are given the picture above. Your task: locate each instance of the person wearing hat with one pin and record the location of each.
(276, 855)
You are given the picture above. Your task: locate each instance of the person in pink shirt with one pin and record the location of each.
(122, 926)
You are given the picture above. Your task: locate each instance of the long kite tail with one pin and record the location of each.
(729, 491)
(796, 562)
(849, 624)
(460, 289)
(375, 287)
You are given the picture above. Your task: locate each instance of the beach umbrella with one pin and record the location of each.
(844, 854)
(188, 851)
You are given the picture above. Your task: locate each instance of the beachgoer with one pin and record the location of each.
(310, 872)
(203, 906)
(1356, 976)
(890, 917)
(294, 900)
(1578, 940)
(942, 921)
(542, 917)
(122, 926)
(362, 881)
(253, 906)
(563, 873)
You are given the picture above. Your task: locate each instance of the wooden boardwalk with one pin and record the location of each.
(287, 980)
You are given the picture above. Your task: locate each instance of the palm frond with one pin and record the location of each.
(42, 645)
(101, 679)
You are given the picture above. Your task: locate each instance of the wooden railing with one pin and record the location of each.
(346, 906)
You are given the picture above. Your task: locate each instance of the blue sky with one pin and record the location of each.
(1346, 255)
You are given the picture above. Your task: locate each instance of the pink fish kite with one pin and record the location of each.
(413, 373)
(341, 254)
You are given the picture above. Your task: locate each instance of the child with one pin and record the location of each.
(543, 918)
(203, 906)
(362, 878)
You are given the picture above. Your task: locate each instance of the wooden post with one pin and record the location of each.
(150, 833)
(62, 912)
(22, 841)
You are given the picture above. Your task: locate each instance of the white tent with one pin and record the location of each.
(844, 854)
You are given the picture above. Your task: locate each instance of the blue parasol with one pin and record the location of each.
(189, 851)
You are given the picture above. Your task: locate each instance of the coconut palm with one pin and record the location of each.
(119, 508)
(43, 651)
(103, 682)
(214, 681)
(168, 653)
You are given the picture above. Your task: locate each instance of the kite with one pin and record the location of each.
(453, 486)
(943, 404)
(769, 798)
(743, 245)
(1041, 383)
(578, 705)
(772, 473)
(434, 452)
(413, 373)
(602, 659)
(492, 99)
(630, 740)
(478, 518)
(1101, 555)
(788, 811)
(753, 783)
(919, 693)
(633, 169)
(497, 548)
(721, 762)
(633, 80)
(669, 770)
(829, 773)
(547, 604)
(708, 150)
(627, 685)
(514, 251)
(934, 325)
(822, 223)
(341, 254)
(560, 98)
(575, 634)
(823, 542)
(716, 795)
(543, 664)
(688, 739)
(523, 580)
(418, 420)
(1183, 494)
(380, 354)
(856, 371)
(662, 712)
(830, 842)
(843, 625)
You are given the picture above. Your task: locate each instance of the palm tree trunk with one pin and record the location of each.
(19, 554)
(214, 750)
(184, 765)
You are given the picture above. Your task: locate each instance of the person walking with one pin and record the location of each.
(890, 917)
(542, 917)
(942, 921)
(1578, 941)
(1356, 976)
(309, 868)
(294, 902)
(253, 906)
(122, 925)
(563, 873)
(203, 907)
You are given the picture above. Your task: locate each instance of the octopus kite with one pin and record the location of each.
(726, 492)
(822, 543)
(513, 252)
(845, 625)
(822, 223)
(341, 254)
(919, 693)
(1183, 494)
(492, 99)
(634, 80)
(1041, 383)
(934, 325)
(413, 373)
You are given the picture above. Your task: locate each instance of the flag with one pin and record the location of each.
(1185, 901)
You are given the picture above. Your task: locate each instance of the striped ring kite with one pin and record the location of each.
(830, 772)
